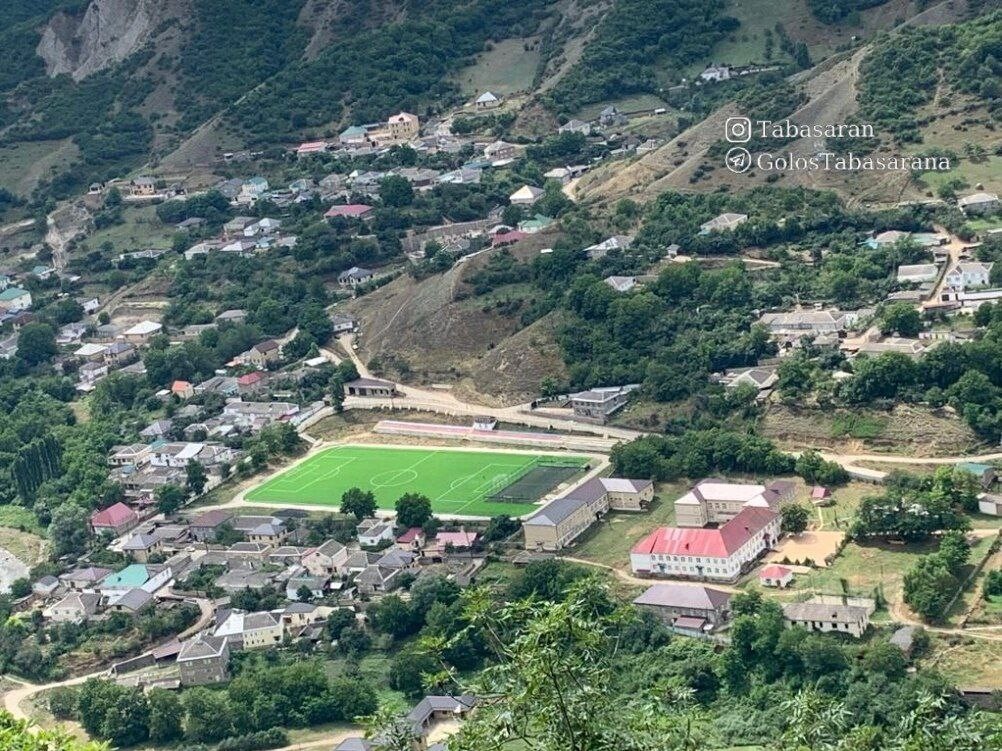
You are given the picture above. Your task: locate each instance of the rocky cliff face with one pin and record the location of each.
(106, 33)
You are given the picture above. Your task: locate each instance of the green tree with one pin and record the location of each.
(36, 343)
(551, 680)
(413, 510)
(69, 529)
(393, 616)
(20, 735)
(900, 318)
(208, 717)
(929, 587)
(408, 670)
(169, 498)
(361, 503)
(794, 518)
(196, 478)
(166, 716)
(396, 191)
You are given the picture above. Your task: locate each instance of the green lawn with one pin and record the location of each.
(457, 482)
(505, 68)
(609, 542)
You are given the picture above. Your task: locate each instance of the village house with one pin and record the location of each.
(204, 527)
(724, 222)
(412, 539)
(611, 117)
(131, 602)
(969, 274)
(14, 300)
(115, 520)
(403, 127)
(243, 630)
(203, 660)
(719, 554)
(686, 608)
(145, 576)
(75, 607)
(560, 521)
(117, 354)
(984, 473)
(761, 379)
(575, 126)
(499, 150)
(621, 283)
(713, 501)
(799, 323)
(353, 136)
(263, 354)
(527, 195)
(355, 276)
(142, 332)
(432, 709)
(600, 250)
(917, 273)
(715, 73)
(141, 546)
(341, 324)
(328, 559)
(71, 333)
(371, 387)
(979, 204)
(349, 211)
(44, 586)
(989, 503)
(371, 532)
(487, 101)
(824, 617)
(377, 578)
(83, 578)
(598, 404)
(776, 576)
(300, 579)
(143, 186)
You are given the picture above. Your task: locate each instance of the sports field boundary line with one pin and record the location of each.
(600, 462)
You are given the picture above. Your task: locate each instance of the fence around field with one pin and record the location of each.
(536, 482)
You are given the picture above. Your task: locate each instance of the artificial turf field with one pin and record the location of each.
(456, 481)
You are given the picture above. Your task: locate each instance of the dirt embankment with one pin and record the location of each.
(107, 32)
(440, 333)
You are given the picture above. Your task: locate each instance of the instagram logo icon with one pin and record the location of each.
(737, 130)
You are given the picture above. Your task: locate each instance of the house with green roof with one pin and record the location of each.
(14, 300)
(985, 473)
(145, 576)
(354, 135)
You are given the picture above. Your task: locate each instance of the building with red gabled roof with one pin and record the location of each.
(182, 389)
(413, 538)
(776, 576)
(719, 554)
(349, 211)
(311, 147)
(508, 238)
(115, 519)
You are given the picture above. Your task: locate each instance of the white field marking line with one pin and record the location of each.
(289, 480)
(393, 474)
(426, 457)
(331, 472)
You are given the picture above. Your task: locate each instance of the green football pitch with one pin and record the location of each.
(456, 481)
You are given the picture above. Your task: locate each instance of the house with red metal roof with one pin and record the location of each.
(115, 519)
(349, 211)
(776, 576)
(719, 554)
